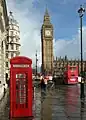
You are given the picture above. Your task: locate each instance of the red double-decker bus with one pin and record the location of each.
(71, 74)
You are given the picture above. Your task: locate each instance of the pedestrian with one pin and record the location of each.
(42, 84)
(45, 82)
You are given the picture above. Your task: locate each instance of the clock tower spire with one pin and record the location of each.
(47, 44)
(46, 17)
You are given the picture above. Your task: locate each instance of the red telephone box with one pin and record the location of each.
(21, 91)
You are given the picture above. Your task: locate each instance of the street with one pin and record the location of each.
(60, 103)
(63, 103)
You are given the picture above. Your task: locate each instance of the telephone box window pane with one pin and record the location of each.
(21, 89)
(20, 75)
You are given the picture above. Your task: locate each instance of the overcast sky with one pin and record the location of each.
(65, 19)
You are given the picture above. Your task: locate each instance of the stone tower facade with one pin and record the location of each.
(47, 44)
(13, 41)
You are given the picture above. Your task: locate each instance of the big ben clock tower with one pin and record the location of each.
(47, 44)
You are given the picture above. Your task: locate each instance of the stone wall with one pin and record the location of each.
(1, 91)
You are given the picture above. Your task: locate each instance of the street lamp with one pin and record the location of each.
(81, 13)
(36, 63)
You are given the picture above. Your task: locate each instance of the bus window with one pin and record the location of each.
(72, 68)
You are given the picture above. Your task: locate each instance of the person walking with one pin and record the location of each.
(42, 84)
(45, 82)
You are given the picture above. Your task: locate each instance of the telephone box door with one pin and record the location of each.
(21, 94)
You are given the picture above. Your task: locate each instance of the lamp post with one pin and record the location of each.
(36, 63)
(81, 13)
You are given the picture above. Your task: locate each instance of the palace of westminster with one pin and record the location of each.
(49, 64)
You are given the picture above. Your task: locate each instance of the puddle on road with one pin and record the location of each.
(61, 103)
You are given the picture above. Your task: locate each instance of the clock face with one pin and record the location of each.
(47, 32)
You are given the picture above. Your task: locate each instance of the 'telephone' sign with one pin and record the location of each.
(20, 65)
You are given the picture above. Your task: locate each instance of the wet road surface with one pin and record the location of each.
(61, 103)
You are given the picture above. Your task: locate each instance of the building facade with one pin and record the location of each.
(47, 44)
(60, 63)
(13, 41)
(3, 27)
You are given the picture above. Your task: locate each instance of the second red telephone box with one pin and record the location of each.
(21, 87)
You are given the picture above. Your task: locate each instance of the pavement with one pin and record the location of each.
(1, 91)
(61, 103)
(4, 106)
